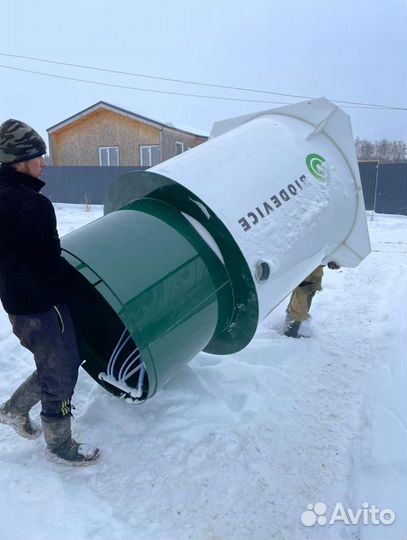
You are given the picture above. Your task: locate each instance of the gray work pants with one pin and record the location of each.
(50, 336)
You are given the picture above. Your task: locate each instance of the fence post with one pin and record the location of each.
(375, 191)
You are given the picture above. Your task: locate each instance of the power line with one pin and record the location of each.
(136, 88)
(192, 82)
(181, 81)
(87, 81)
(151, 76)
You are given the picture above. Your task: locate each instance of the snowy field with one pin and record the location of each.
(236, 447)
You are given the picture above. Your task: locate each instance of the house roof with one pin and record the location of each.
(124, 112)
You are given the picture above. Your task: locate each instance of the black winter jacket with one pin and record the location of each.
(33, 275)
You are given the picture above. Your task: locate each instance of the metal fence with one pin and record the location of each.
(384, 184)
(81, 185)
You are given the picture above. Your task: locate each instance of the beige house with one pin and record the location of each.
(107, 135)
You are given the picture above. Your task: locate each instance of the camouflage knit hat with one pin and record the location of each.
(19, 142)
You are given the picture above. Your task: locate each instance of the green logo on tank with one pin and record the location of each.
(315, 164)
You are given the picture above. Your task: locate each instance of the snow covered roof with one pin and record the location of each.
(120, 110)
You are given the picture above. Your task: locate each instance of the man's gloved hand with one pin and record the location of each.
(333, 266)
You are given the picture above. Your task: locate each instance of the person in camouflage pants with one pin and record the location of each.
(300, 302)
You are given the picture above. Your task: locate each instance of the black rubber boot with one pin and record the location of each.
(15, 411)
(62, 448)
(291, 328)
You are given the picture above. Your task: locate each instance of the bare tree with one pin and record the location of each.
(383, 150)
(365, 150)
(399, 150)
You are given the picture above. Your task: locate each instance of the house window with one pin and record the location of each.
(179, 147)
(149, 155)
(108, 156)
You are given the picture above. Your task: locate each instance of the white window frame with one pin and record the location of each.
(148, 147)
(108, 156)
(181, 144)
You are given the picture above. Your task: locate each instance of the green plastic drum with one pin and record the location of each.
(150, 293)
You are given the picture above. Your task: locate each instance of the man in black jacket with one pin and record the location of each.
(34, 282)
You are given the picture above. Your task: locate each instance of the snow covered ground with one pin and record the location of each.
(237, 447)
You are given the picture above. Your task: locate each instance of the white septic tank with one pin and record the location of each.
(285, 183)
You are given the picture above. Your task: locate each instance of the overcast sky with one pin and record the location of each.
(351, 50)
